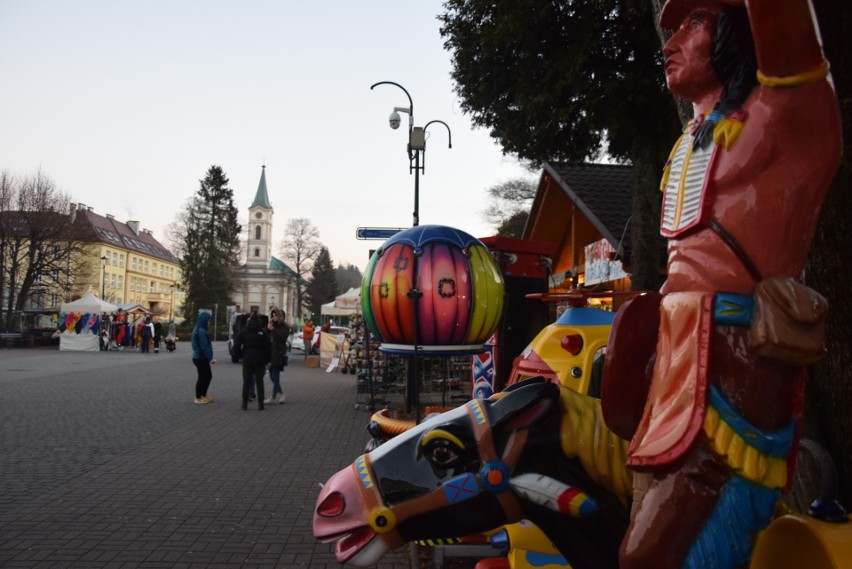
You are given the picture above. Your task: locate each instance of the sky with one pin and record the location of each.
(126, 105)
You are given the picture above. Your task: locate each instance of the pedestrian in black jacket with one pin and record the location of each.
(253, 346)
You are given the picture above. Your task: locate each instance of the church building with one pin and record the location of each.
(265, 282)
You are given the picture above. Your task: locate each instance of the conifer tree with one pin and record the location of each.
(211, 245)
(322, 287)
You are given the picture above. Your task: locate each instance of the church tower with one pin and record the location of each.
(259, 243)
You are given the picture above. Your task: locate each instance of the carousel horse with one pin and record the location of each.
(536, 451)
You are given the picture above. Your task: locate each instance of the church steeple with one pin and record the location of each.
(259, 242)
(261, 198)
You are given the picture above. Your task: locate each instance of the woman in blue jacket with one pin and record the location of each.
(202, 357)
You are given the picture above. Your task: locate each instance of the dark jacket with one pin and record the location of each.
(253, 344)
(279, 335)
(202, 349)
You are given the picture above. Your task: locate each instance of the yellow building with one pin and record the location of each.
(133, 267)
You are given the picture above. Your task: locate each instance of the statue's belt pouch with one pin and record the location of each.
(788, 322)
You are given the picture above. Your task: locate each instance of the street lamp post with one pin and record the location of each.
(416, 147)
(416, 143)
(104, 260)
(172, 302)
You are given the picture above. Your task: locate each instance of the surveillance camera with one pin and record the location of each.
(394, 120)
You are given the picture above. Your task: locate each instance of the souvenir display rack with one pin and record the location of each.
(445, 381)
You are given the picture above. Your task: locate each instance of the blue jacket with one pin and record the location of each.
(202, 349)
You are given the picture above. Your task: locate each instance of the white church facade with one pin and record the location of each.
(265, 282)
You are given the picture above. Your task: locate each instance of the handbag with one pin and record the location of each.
(788, 324)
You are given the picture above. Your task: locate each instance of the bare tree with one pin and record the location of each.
(508, 200)
(300, 248)
(41, 250)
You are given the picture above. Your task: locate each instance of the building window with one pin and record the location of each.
(134, 263)
(257, 233)
(151, 288)
(154, 268)
(257, 252)
(146, 266)
(114, 259)
(121, 260)
(120, 282)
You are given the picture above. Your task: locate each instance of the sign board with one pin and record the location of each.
(377, 232)
(600, 267)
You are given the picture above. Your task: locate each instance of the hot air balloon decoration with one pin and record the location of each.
(434, 290)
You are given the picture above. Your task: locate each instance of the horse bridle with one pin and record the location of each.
(492, 477)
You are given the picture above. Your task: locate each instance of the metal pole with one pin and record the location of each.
(215, 310)
(416, 188)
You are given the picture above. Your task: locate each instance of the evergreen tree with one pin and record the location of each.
(322, 287)
(210, 245)
(348, 277)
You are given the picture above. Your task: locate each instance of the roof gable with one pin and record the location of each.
(582, 203)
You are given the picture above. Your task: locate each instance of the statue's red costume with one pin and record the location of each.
(740, 209)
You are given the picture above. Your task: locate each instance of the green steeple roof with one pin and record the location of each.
(261, 199)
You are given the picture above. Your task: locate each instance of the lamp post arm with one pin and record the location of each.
(410, 102)
(449, 133)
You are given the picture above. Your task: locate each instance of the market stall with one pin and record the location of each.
(80, 323)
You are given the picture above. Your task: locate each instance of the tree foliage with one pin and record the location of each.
(211, 244)
(322, 287)
(299, 249)
(41, 251)
(514, 225)
(569, 81)
(348, 277)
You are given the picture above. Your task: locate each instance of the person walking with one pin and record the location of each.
(279, 331)
(202, 358)
(308, 336)
(254, 347)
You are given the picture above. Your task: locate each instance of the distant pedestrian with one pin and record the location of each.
(308, 336)
(279, 331)
(253, 346)
(145, 334)
(202, 357)
(158, 332)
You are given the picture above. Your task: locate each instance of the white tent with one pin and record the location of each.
(346, 304)
(82, 321)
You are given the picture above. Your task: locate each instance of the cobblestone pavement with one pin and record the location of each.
(105, 461)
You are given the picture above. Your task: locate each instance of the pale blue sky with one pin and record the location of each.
(126, 105)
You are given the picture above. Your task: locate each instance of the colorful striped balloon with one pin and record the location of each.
(434, 287)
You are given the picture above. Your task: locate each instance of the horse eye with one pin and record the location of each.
(442, 455)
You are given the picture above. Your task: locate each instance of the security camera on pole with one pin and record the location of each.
(416, 143)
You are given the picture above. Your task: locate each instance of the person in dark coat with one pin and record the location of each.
(256, 351)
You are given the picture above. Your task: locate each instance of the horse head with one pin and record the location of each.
(462, 472)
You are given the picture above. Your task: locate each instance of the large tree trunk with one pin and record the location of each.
(829, 394)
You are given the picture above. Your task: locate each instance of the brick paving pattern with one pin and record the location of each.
(106, 462)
